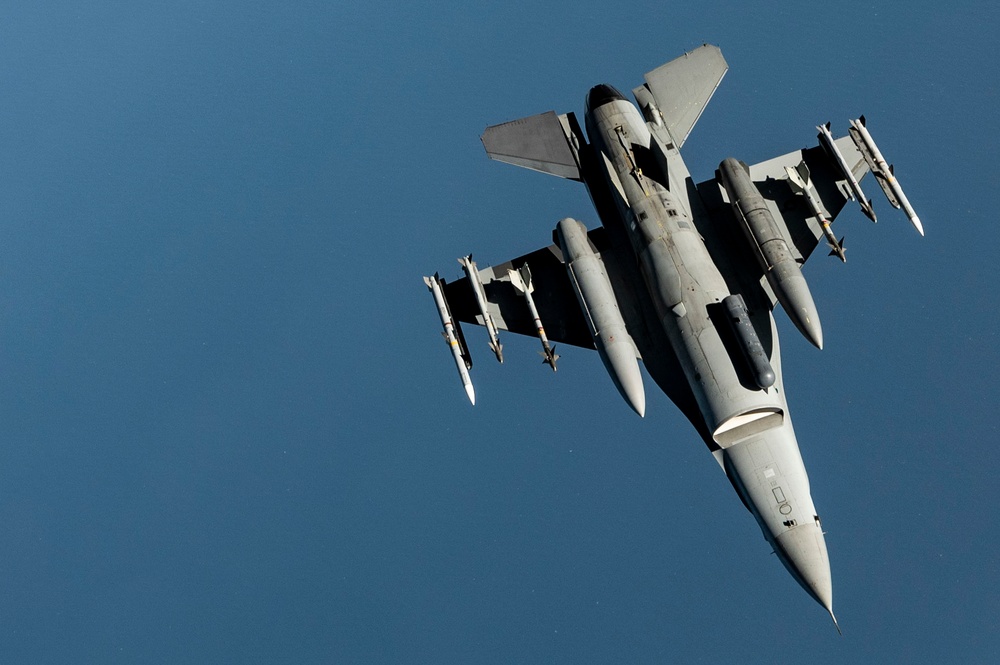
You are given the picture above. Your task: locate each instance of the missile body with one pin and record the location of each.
(472, 272)
(749, 342)
(521, 279)
(883, 172)
(800, 183)
(780, 267)
(826, 138)
(462, 360)
(600, 308)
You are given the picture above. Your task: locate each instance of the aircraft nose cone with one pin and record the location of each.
(803, 551)
(600, 95)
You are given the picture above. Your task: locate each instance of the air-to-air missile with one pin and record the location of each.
(600, 309)
(521, 280)
(883, 172)
(453, 335)
(780, 266)
(826, 139)
(801, 183)
(472, 272)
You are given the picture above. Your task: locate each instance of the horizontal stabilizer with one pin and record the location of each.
(546, 142)
(683, 87)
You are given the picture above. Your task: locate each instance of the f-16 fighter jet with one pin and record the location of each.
(682, 276)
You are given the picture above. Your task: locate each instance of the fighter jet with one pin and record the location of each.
(681, 275)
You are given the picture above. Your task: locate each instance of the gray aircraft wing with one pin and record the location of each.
(795, 218)
(553, 295)
(562, 317)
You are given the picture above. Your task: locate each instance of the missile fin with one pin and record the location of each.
(472, 272)
(837, 249)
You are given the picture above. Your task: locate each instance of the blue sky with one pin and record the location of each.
(229, 431)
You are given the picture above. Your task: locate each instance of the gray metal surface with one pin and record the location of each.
(749, 343)
(683, 87)
(598, 303)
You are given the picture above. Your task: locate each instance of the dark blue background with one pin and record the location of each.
(230, 433)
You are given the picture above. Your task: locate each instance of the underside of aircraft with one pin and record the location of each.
(682, 275)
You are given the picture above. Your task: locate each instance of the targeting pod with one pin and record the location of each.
(749, 342)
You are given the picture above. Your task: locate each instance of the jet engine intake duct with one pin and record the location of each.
(779, 265)
(600, 308)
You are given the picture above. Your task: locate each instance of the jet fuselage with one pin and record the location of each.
(749, 428)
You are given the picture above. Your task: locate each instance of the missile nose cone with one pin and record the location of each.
(471, 392)
(803, 551)
(917, 225)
